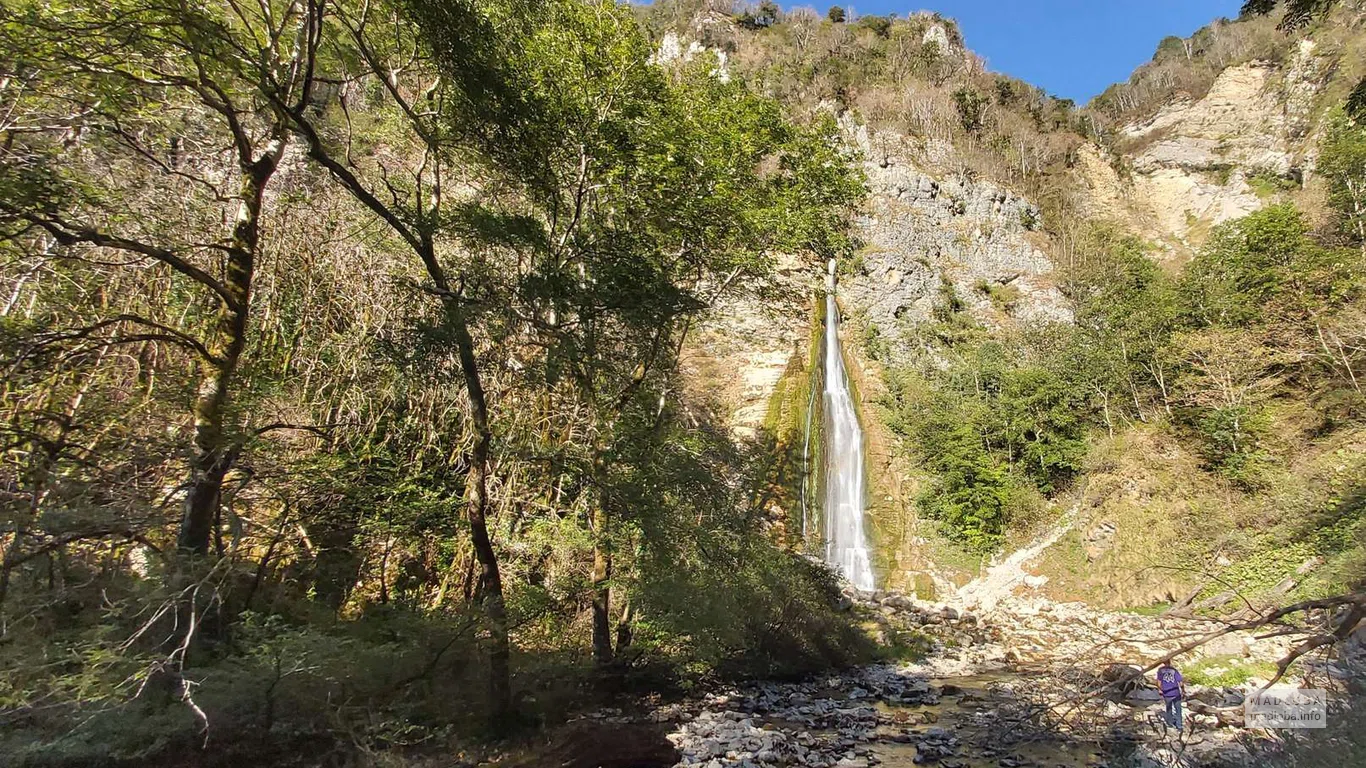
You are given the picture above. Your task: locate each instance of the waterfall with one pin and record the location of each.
(846, 546)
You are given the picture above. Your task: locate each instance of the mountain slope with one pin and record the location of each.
(997, 223)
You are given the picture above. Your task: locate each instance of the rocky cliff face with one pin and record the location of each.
(927, 237)
(736, 358)
(1198, 163)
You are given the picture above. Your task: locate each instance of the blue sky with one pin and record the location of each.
(1071, 48)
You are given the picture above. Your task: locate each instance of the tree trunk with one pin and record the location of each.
(625, 634)
(602, 574)
(476, 498)
(214, 455)
(476, 493)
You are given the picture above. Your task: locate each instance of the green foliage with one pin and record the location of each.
(1170, 47)
(878, 25)
(746, 609)
(1266, 269)
(1007, 91)
(1258, 278)
(973, 490)
(405, 677)
(1342, 161)
(1232, 437)
(1209, 351)
(994, 430)
(1268, 184)
(1298, 13)
(1356, 102)
(835, 14)
(1003, 297)
(1039, 424)
(1155, 609)
(573, 208)
(953, 324)
(875, 345)
(972, 109)
(1244, 269)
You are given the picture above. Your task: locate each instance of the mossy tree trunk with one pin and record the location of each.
(215, 451)
(602, 591)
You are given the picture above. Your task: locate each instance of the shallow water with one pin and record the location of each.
(961, 713)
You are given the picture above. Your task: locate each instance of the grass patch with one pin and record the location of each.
(1153, 609)
(1003, 297)
(1267, 184)
(1228, 671)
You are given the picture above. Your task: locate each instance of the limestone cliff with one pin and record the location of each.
(925, 235)
(1197, 163)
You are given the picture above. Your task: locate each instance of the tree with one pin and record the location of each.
(972, 109)
(94, 72)
(1265, 271)
(456, 96)
(1245, 268)
(488, 230)
(835, 14)
(878, 25)
(1173, 46)
(1040, 425)
(662, 205)
(768, 13)
(1227, 377)
(1356, 102)
(759, 17)
(1298, 15)
(1342, 161)
(618, 202)
(1126, 312)
(973, 491)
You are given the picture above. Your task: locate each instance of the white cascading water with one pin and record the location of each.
(846, 546)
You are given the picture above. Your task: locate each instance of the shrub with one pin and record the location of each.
(878, 25)
(748, 609)
(972, 109)
(1342, 161)
(973, 490)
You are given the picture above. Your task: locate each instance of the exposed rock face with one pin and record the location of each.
(935, 33)
(736, 356)
(671, 50)
(922, 233)
(1192, 160)
(1241, 121)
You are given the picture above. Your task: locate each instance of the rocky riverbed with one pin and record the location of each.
(1025, 684)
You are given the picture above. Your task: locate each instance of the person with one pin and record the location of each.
(1172, 686)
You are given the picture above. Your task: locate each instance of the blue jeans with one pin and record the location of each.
(1173, 712)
